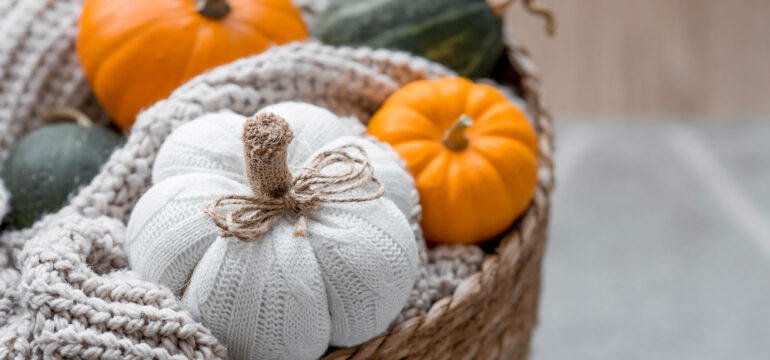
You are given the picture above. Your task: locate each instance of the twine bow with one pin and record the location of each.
(276, 191)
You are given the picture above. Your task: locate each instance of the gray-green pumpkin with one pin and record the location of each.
(464, 35)
(49, 164)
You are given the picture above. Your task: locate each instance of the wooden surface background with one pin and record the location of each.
(652, 58)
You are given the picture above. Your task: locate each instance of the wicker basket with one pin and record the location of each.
(493, 312)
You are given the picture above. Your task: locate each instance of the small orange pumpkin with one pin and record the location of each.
(473, 155)
(136, 52)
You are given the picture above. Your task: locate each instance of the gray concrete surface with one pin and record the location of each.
(660, 243)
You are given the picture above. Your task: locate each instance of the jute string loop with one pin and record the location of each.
(275, 191)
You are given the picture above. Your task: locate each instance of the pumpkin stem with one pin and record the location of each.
(266, 138)
(213, 9)
(66, 114)
(455, 138)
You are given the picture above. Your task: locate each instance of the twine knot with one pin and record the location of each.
(333, 176)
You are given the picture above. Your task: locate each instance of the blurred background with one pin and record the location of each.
(660, 236)
(707, 58)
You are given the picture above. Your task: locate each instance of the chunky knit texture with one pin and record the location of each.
(67, 306)
(39, 71)
(281, 295)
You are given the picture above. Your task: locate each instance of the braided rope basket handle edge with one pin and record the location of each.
(425, 336)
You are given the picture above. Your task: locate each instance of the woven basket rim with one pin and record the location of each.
(518, 239)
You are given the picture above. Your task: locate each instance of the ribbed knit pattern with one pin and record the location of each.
(39, 70)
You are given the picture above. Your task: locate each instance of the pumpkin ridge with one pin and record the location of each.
(433, 183)
(414, 168)
(340, 208)
(297, 290)
(306, 352)
(436, 166)
(495, 197)
(146, 23)
(520, 143)
(499, 115)
(339, 259)
(520, 170)
(482, 157)
(157, 213)
(264, 35)
(214, 157)
(233, 286)
(116, 45)
(419, 117)
(285, 6)
(123, 101)
(447, 91)
(146, 222)
(290, 12)
(484, 101)
(256, 29)
(489, 112)
(191, 54)
(445, 109)
(372, 228)
(175, 262)
(402, 136)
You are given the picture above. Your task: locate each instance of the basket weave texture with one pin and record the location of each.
(492, 313)
(63, 304)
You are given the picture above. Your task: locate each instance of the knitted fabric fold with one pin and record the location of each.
(79, 311)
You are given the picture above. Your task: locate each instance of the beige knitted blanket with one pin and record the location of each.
(64, 288)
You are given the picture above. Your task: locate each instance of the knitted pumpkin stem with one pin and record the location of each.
(266, 138)
(213, 9)
(455, 138)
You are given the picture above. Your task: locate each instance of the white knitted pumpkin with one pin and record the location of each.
(280, 295)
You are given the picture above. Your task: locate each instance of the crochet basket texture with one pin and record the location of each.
(65, 290)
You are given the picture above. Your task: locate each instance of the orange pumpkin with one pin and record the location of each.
(136, 52)
(473, 155)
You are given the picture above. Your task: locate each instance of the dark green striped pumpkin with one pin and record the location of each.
(462, 34)
(49, 164)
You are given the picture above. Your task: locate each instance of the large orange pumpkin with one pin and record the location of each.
(472, 152)
(136, 52)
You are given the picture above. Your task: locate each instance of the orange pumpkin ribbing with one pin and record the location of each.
(136, 52)
(469, 194)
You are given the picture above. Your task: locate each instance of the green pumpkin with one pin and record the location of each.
(51, 163)
(462, 34)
